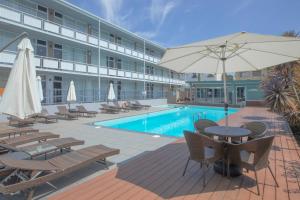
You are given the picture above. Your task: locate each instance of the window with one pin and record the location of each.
(119, 90)
(41, 48)
(119, 64)
(57, 51)
(42, 12)
(58, 18)
(149, 90)
(149, 70)
(110, 62)
(256, 73)
(112, 38)
(172, 74)
(57, 14)
(194, 75)
(118, 40)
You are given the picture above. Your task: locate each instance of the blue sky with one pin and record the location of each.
(175, 22)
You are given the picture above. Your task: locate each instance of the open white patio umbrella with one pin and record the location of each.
(71, 97)
(21, 98)
(40, 88)
(232, 53)
(111, 93)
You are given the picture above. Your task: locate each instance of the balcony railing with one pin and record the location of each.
(54, 28)
(8, 57)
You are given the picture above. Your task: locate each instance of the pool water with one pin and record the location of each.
(170, 122)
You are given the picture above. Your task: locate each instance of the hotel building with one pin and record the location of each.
(73, 44)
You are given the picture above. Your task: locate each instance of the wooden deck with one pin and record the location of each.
(158, 174)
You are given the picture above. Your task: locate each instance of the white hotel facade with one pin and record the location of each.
(72, 44)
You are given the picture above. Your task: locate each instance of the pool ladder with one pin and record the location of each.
(197, 116)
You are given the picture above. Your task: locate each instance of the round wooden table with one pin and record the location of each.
(225, 132)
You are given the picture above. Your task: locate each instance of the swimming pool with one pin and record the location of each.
(170, 122)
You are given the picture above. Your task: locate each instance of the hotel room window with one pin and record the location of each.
(41, 48)
(57, 51)
(42, 12)
(58, 18)
(112, 38)
(119, 64)
(110, 62)
(119, 40)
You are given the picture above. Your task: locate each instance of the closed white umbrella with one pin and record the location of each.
(111, 93)
(232, 53)
(21, 98)
(71, 97)
(40, 88)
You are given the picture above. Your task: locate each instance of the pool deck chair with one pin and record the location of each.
(46, 116)
(14, 121)
(28, 174)
(121, 108)
(84, 112)
(43, 148)
(63, 111)
(139, 104)
(132, 106)
(28, 138)
(109, 109)
(12, 132)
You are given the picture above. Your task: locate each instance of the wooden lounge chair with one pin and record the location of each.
(139, 104)
(129, 105)
(15, 121)
(63, 111)
(109, 109)
(82, 110)
(28, 174)
(121, 108)
(252, 155)
(28, 138)
(46, 116)
(203, 150)
(16, 131)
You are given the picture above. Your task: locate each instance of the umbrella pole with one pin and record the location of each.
(225, 86)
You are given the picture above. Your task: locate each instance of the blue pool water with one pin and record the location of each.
(169, 122)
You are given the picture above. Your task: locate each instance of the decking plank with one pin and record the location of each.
(158, 174)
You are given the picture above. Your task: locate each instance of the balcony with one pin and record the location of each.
(47, 63)
(34, 22)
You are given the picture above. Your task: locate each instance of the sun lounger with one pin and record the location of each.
(109, 109)
(63, 111)
(139, 104)
(43, 148)
(82, 110)
(36, 172)
(14, 121)
(16, 131)
(45, 115)
(121, 108)
(28, 138)
(129, 105)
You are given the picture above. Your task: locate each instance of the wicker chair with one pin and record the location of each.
(201, 124)
(252, 155)
(258, 129)
(203, 150)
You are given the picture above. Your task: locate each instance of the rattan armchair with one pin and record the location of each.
(252, 155)
(201, 124)
(258, 129)
(204, 150)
